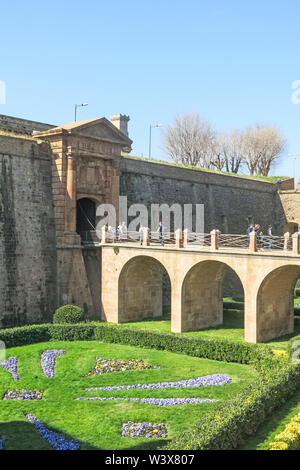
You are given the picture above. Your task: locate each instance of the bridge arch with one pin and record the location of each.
(140, 288)
(275, 303)
(202, 295)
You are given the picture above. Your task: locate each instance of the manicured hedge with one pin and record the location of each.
(67, 332)
(233, 306)
(23, 335)
(216, 349)
(219, 350)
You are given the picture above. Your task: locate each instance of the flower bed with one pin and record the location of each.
(234, 421)
(23, 395)
(134, 429)
(206, 381)
(104, 366)
(289, 438)
(11, 364)
(48, 360)
(57, 441)
(154, 401)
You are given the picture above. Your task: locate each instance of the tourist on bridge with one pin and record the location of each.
(141, 234)
(119, 231)
(123, 232)
(270, 234)
(260, 239)
(160, 233)
(250, 229)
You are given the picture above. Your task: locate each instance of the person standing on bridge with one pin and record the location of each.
(118, 232)
(260, 239)
(270, 237)
(141, 234)
(160, 233)
(122, 232)
(250, 229)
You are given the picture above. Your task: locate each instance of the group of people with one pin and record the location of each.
(120, 233)
(159, 231)
(260, 235)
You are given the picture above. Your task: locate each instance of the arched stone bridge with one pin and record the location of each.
(132, 279)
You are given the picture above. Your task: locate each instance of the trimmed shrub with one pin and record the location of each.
(79, 332)
(23, 335)
(233, 306)
(68, 314)
(219, 350)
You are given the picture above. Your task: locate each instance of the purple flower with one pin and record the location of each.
(57, 441)
(155, 401)
(135, 429)
(205, 381)
(11, 364)
(48, 360)
(23, 395)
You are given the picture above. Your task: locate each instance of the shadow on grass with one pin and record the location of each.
(21, 435)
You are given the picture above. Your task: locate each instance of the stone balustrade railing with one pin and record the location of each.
(215, 240)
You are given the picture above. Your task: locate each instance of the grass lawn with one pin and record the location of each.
(97, 425)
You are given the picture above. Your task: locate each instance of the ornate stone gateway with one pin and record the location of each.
(85, 172)
(86, 165)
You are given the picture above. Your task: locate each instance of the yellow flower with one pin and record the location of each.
(278, 446)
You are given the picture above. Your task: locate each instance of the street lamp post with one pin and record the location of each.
(78, 106)
(150, 135)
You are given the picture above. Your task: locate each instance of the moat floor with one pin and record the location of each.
(98, 424)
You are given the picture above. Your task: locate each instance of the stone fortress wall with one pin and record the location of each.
(21, 126)
(230, 203)
(27, 233)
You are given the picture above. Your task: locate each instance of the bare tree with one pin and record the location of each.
(218, 156)
(189, 140)
(233, 151)
(227, 151)
(262, 147)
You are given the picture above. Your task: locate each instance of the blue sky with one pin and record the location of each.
(232, 62)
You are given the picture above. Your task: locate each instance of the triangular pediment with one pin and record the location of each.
(100, 129)
(103, 130)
